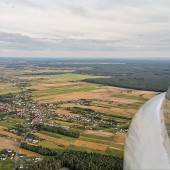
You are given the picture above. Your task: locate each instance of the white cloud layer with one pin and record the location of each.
(85, 28)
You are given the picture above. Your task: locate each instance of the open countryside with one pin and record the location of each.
(56, 111)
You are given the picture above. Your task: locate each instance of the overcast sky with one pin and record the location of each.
(85, 28)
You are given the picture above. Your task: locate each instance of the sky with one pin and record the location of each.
(85, 28)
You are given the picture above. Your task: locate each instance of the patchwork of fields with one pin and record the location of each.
(101, 114)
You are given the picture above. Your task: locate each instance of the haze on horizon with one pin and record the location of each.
(91, 28)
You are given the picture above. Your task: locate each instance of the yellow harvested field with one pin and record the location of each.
(116, 146)
(98, 133)
(66, 97)
(53, 139)
(66, 113)
(63, 122)
(113, 95)
(115, 111)
(123, 100)
(45, 86)
(145, 94)
(91, 145)
(129, 113)
(119, 138)
(37, 87)
(2, 128)
(8, 144)
(10, 135)
(29, 153)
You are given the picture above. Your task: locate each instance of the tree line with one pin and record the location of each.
(77, 160)
(38, 149)
(59, 130)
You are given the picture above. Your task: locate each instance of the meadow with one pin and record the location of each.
(6, 165)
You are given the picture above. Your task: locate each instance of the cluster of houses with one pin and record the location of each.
(7, 154)
(84, 102)
(32, 140)
(7, 107)
(89, 119)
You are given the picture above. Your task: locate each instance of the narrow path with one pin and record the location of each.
(16, 155)
(17, 151)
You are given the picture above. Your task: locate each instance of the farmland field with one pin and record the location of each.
(91, 145)
(29, 153)
(53, 140)
(69, 91)
(52, 109)
(7, 144)
(8, 88)
(66, 92)
(6, 165)
(2, 132)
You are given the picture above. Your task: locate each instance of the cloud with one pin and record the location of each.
(19, 42)
(15, 3)
(92, 25)
(22, 42)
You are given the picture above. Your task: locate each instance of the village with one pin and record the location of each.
(35, 128)
(22, 107)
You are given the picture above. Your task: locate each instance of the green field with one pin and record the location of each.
(7, 124)
(17, 120)
(69, 77)
(115, 152)
(65, 89)
(94, 140)
(97, 137)
(77, 148)
(119, 146)
(57, 135)
(50, 145)
(6, 88)
(6, 165)
(59, 78)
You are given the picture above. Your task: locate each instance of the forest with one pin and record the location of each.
(140, 75)
(76, 160)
